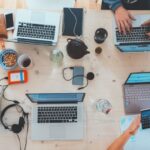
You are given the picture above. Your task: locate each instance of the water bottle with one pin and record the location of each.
(56, 56)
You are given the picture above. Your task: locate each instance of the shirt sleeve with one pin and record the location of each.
(113, 4)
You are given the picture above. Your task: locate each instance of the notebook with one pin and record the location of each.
(72, 21)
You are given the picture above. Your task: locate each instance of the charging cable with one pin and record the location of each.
(89, 76)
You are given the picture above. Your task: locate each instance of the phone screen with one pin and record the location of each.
(9, 20)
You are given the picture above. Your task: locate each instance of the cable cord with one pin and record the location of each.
(27, 132)
(26, 114)
(76, 21)
(63, 72)
(5, 98)
(75, 24)
(4, 78)
(19, 141)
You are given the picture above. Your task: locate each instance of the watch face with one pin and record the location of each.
(130, 1)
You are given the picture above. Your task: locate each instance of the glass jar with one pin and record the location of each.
(56, 56)
(103, 105)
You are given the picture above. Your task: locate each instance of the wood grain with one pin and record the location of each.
(89, 4)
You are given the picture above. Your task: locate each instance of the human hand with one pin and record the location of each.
(134, 125)
(123, 19)
(147, 23)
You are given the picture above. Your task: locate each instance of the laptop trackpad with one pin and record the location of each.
(38, 17)
(58, 132)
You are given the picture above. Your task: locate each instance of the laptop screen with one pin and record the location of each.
(139, 78)
(56, 97)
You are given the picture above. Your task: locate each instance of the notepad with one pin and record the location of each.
(72, 21)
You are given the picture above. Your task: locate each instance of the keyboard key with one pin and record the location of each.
(57, 114)
(36, 31)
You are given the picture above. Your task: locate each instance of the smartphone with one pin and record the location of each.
(145, 118)
(9, 21)
(78, 75)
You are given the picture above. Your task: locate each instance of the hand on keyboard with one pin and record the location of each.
(147, 23)
(123, 20)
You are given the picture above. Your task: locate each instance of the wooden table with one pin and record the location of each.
(111, 69)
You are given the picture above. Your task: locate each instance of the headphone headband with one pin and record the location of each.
(4, 111)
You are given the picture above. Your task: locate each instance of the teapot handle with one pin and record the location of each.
(69, 39)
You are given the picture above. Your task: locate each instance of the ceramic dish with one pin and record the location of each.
(8, 59)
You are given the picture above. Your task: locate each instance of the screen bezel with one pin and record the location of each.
(136, 83)
(12, 21)
(52, 102)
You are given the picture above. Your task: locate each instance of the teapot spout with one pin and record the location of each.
(87, 52)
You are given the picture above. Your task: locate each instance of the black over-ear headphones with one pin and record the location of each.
(16, 128)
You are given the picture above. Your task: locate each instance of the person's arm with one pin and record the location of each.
(113, 4)
(119, 143)
(123, 17)
(147, 23)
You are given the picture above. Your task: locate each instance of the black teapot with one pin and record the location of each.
(76, 48)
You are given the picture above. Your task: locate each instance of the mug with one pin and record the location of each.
(24, 61)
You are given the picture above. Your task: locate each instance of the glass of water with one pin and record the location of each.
(103, 105)
(56, 56)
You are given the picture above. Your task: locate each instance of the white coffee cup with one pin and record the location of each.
(24, 61)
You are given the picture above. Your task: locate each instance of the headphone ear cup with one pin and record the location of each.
(16, 128)
(21, 122)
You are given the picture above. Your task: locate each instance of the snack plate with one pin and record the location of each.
(5, 52)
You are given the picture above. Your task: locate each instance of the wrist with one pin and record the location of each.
(129, 132)
(119, 9)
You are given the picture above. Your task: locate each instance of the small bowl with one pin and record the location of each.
(8, 64)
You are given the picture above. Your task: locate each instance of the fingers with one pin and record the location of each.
(131, 16)
(147, 23)
(138, 121)
(119, 26)
(124, 26)
(148, 34)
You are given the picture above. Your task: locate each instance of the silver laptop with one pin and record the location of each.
(37, 27)
(57, 116)
(137, 92)
(49, 4)
(136, 40)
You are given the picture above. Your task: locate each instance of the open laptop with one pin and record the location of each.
(136, 40)
(49, 4)
(37, 27)
(137, 92)
(57, 116)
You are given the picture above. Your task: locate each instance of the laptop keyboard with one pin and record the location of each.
(62, 114)
(37, 31)
(137, 34)
(137, 93)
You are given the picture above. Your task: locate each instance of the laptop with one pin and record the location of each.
(57, 116)
(136, 91)
(136, 40)
(49, 4)
(37, 27)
